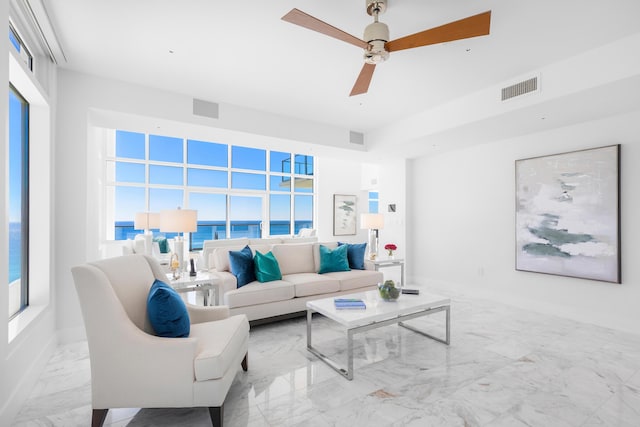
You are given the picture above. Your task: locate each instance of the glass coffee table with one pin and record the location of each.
(377, 314)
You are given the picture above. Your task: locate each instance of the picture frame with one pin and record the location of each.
(568, 214)
(344, 214)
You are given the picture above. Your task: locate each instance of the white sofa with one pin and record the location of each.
(299, 264)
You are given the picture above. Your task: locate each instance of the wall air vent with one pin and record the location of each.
(518, 89)
(356, 138)
(205, 108)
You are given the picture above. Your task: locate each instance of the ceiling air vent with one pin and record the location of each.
(518, 89)
(356, 138)
(205, 108)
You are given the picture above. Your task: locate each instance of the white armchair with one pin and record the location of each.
(133, 368)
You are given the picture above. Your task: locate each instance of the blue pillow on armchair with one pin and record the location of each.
(167, 312)
(242, 266)
(355, 254)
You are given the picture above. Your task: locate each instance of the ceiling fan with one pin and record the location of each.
(376, 42)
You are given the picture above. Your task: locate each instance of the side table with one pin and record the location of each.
(204, 282)
(389, 262)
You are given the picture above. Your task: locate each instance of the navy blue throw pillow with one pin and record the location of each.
(167, 312)
(355, 254)
(242, 266)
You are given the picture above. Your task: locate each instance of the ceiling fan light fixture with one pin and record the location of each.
(376, 53)
(377, 35)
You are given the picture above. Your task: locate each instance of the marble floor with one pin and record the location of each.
(505, 367)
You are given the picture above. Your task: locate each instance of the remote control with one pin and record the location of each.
(410, 291)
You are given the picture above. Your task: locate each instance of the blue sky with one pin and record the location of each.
(210, 206)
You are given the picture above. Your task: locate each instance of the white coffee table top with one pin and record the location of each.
(377, 308)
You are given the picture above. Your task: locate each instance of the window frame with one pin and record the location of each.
(229, 190)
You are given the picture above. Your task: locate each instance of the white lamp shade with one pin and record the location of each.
(146, 221)
(179, 220)
(372, 221)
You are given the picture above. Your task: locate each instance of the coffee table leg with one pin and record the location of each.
(447, 339)
(309, 313)
(349, 354)
(347, 373)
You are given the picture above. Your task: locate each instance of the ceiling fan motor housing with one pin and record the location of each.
(376, 34)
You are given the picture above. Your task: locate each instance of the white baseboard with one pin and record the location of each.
(70, 335)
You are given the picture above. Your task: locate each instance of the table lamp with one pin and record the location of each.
(372, 222)
(179, 221)
(147, 221)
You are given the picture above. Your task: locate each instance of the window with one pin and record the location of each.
(19, 46)
(238, 191)
(18, 202)
(373, 201)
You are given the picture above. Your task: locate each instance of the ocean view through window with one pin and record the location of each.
(238, 191)
(18, 202)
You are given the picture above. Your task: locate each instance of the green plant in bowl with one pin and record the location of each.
(388, 290)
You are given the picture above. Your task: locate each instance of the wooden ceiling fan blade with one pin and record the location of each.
(363, 80)
(473, 26)
(298, 17)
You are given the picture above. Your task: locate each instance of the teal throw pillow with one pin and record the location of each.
(242, 266)
(355, 254)
(163, 244)
(167, 312)
(333, 260)
(266, 267)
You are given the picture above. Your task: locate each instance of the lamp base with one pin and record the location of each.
(373, 244)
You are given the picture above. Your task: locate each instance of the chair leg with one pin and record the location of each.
(217, 414)
(245, 362)
(98, 417)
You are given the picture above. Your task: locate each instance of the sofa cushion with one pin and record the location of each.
(257, 293)
(355, 254)
(209, 247)
(242, 266)
(167, 312)
(295, 258)
(306, 284)
(316, 253)
(221, 257)
(218, 344)
(333, 260)
(357, 278)
(266, 267)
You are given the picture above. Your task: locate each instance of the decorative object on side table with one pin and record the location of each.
(174, 265)
(390, 247)
(388, 290)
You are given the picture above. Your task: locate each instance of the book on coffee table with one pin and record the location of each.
(349, 304)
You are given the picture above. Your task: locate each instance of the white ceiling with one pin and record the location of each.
(242, 53)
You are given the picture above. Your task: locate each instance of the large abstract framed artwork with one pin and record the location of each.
(344, 215)
(568, 214)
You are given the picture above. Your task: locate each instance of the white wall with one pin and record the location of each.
(462, 224)
(86, 102)
(28, 339)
